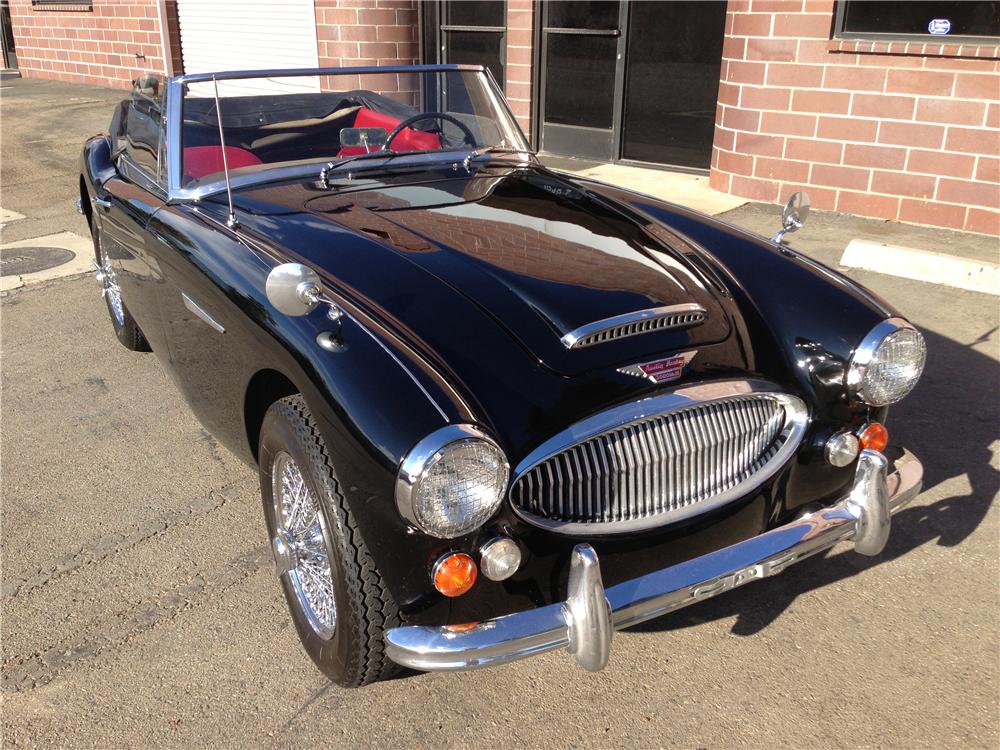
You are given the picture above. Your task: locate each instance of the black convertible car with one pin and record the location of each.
(496, 409)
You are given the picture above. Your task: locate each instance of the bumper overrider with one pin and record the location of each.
(586, 621)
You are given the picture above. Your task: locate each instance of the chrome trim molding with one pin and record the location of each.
(879, 490)
(198, 310)
(796, 418)
(417, 459)
(635, 323)
(865, 351)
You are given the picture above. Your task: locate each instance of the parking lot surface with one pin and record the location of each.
(139, 605)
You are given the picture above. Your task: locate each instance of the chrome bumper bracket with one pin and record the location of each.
(869, 502)
(586, 621)
(589, 626)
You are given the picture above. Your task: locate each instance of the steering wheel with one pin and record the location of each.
(470, 139)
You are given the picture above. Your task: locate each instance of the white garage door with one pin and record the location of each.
(221, 35)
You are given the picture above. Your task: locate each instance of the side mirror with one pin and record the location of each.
(295, 290)
(794, 215)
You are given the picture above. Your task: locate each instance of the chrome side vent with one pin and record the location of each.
(634, 324)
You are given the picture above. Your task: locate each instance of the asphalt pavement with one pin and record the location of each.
(140, 609)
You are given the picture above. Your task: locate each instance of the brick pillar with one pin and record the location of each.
(520, 59)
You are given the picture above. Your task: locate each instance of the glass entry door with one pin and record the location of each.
(674, 60)
(581, 59)
(631, 81)
(7, 35)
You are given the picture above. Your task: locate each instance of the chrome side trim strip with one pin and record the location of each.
(523, 634)
(635, 323)
(198, 310)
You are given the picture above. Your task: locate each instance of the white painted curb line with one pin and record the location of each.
(921, 265)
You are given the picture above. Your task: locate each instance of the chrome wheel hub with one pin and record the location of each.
(301, 546)
(108, 280)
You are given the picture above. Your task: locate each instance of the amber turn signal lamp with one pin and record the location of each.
(874, 437)
(455, 573)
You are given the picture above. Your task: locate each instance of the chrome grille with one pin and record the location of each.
(661, 467)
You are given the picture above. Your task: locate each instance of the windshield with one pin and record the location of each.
(282, 120)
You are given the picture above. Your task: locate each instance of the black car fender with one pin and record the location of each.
(372, 395)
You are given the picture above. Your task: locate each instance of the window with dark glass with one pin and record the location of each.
(77, 4)
(594, 15)
(924, 19)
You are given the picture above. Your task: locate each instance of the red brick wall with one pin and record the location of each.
(352, 33)
(907, 132)
(97, 46)
(520, 57)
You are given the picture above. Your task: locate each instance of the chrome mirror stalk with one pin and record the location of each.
(793, 216)
(295, 289)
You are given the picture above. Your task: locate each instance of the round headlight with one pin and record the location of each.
(887, 363)
(452, 481)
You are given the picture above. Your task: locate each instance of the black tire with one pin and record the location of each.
(355, 653)
(127, 331)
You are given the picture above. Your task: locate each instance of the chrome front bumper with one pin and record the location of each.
(586, 621)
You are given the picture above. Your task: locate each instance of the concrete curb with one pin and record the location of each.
(921, 265)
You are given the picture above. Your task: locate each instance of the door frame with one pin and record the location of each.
(618, 112)
(7, 29)
(433, 26)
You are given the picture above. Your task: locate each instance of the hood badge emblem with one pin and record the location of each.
(660, 370)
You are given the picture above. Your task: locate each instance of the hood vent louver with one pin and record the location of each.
(634, 324)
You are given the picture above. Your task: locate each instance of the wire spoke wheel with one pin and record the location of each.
(110, 288)
(302, 536)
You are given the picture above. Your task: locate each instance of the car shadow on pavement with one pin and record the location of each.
(950, 422)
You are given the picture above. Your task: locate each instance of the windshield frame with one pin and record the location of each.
(175, 121)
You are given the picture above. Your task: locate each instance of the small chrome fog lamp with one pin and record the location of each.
(842, 448)
(500, 558)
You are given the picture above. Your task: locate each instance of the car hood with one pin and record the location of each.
(532, 251)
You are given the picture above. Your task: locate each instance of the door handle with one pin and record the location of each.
(102, 202)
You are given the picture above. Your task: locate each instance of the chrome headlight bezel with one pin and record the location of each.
(428, 453)
(865, 355)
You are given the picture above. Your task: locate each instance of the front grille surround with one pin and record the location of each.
(659, 460)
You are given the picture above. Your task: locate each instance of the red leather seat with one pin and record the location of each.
(407, 140)
(201, 161)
